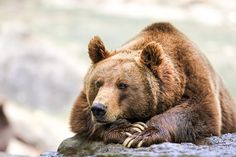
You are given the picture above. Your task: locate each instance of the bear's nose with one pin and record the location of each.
(98, 110)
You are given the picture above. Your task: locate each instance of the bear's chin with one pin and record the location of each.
(102, 121)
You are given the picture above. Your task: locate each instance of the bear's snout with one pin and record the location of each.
(98, 110)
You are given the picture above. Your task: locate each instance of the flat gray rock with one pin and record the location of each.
(213, 146)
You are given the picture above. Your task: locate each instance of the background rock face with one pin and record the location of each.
(213, 146)
(36, 74)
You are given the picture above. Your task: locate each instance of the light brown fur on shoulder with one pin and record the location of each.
(157, 87)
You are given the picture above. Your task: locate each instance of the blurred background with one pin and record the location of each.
(43, 55)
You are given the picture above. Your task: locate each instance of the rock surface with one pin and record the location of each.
(213, 146)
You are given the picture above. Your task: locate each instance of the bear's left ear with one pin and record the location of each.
(97, 50)
(152, 55)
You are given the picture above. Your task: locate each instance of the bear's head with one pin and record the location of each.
(128, 84)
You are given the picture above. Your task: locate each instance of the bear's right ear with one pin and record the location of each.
(152, 55)
(96, 50)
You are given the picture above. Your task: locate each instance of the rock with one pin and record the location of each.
(35, 73)
(70, 147)
(51, 154)
(224, 145)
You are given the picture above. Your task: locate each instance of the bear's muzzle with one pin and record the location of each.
(98, 110)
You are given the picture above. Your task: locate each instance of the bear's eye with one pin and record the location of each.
(98, 84)
(122, 86)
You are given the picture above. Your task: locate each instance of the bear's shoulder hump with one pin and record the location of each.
(164, 27)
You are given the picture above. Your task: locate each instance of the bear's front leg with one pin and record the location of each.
(149, 136)
(182, 123)
(118, 132)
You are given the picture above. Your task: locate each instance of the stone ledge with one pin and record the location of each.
(224, 145)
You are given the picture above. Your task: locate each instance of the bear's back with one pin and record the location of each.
(189, 60)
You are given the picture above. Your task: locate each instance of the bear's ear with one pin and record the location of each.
(96, 50)
(152, 55)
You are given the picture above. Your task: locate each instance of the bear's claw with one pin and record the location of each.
(140, 144)
(127, 142)
(128, 134)
(130, 140)
(139, 126)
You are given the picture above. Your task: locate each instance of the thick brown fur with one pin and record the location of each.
(169, 85)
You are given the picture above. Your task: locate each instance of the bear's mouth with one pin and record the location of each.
(102, 121)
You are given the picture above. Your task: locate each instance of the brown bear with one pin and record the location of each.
(158, 87)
